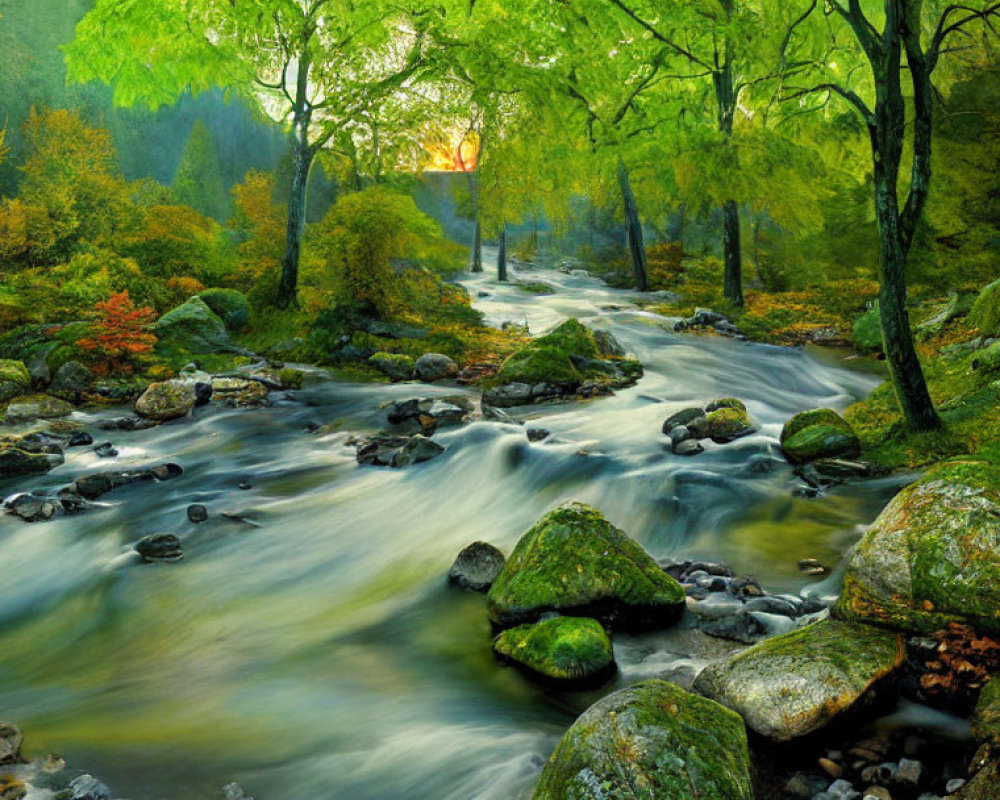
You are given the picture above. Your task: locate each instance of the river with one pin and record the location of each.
(313, 650)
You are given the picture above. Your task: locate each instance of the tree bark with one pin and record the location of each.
(887, 129)
(302, 163)
(725, 98)
(502, 255)
(633, 230)
(477, 246)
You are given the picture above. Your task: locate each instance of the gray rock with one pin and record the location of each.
(508, 396)
(197, 513)
(39, 408)
(387, 450)
(233, 791)
(17, 459)
(476, 567)
(11, 739)
(434, 367)
(537, 434)
(688, 447)
(30, 508)
(159, 547)
(682, 417)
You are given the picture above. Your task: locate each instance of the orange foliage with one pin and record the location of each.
(119, 336)
(259, 223)
(663, 264)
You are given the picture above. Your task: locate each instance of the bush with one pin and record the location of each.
(120, 336)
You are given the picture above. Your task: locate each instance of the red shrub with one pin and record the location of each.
(120, 335)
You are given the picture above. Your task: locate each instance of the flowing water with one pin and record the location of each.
(313, 650)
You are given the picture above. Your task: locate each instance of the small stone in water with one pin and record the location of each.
(689, 447)
(87, 787)
(537, 434)
(106, 450)
(877, 793)
(159, 547)
(954, 785)
(164, 472)
(805, 785)
(244, 485)
(831, 768)
(909, 771)
(862, 753)
(843, 790)
(80, 439)
(197, 513)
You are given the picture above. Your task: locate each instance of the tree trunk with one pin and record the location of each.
(725, 98)
(302, 163)
(633, 230)
(732, 285)
(887, 129)
(502, 255)
(477, 247)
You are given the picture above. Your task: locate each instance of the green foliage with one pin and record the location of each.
(198, 180)
(229, 305)
(985, 313)
(867, 331)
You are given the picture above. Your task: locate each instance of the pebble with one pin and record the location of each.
(79, 439)
(863, 753)
(537, 434)
(909, 771)
(244, 484)
(843, 790)
(87, 787)
(954, 785)
(831, 768)
(197, 513)
(877, 793)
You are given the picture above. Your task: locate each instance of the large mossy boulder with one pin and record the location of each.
(564, 359)
(932, 555)
(228, 305)
(651, 740)
(816, 434)
(14, 379)
(985, 313)
(27, 409)
(573, 561)
(191, 329)
(727, 419)
(19, 458)
(797, 683)
(575, 651)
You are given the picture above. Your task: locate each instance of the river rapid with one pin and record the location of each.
(309, 648)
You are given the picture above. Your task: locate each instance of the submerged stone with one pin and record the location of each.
(571, 650)
(797, 683)
(819, 434)
(159, 547)
(573, 561)
(931, 556)
(651, 740)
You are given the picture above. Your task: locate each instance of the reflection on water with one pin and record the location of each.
(318, 653)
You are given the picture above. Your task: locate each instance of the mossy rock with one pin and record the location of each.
(986, 719)
(820, 433)
(550, 358)
(191, 329)
(14, 379)
(867, 332)
(574, 651)
(796, 684)
(291, 378)
(651, 740)
(727, 423)
(575, 562)
(167, 400)
(985, 313)
(32, 407)
(931, 556)
(228, 305)
(395, 366)
(958, 304)
(16, 461)
(536, 287)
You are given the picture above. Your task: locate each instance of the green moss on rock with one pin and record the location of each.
(191, 329)
(986, 720)
(985, 313)
(574, 650)
(652, 740)
(549, 358)
(820, 433)
(729, 422)
(396, 366)
(797, 683)
(228, 305)
(576, 562)
(14, 379)
(931, 556)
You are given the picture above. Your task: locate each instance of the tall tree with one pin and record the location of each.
(906, 51)
(198, 180)
(315, 63)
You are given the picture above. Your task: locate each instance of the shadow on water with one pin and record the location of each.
(316, 653)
